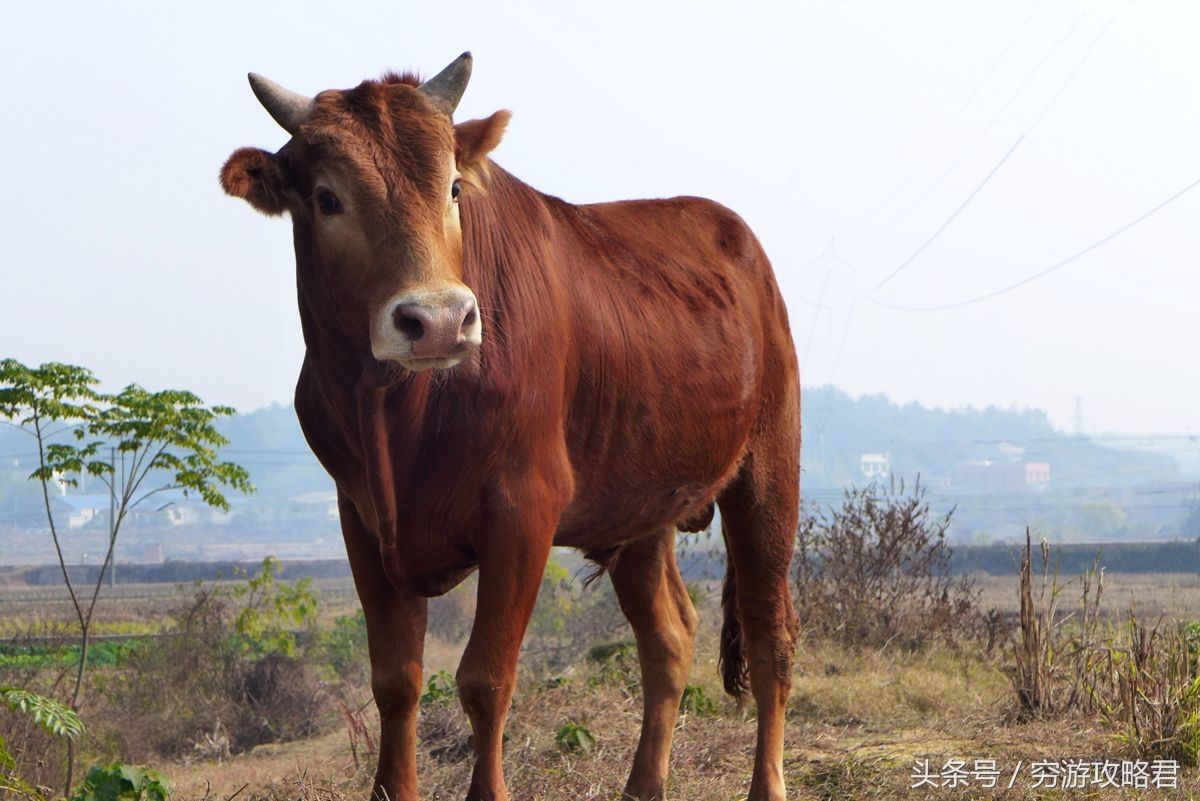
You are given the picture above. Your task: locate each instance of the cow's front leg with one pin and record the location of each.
(510, 573)
(396, 641)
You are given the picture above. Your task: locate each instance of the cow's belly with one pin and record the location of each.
(410, 573)
(648, 481)
(604, 521)
(659, 420)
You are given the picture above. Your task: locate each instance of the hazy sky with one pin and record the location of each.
(895, 158)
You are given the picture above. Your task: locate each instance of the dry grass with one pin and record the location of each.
(859, 722)
(1172, 595)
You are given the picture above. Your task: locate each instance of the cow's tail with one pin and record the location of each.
(734, 671)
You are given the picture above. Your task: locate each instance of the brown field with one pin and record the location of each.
(861, 721)
(1175, 595)
(125, 607)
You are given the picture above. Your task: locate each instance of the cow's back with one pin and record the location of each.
(674, 316)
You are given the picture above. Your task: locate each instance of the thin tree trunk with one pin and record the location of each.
(84, 620)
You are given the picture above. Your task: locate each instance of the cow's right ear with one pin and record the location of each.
(254, 175)
(474, 139)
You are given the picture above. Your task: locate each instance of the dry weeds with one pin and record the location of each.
(860, 720)
(859, 723)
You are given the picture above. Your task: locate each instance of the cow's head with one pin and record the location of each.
(372, 179)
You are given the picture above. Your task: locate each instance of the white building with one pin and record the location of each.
(875, 465)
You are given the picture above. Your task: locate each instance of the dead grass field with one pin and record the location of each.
(1174, 595)
(861, 723)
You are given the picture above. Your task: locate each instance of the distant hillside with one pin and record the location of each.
(965, 457)
(268, 442)
(1001, 469)
(935, 443)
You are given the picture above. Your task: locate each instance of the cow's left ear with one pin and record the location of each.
(474, 139)
(254, 175)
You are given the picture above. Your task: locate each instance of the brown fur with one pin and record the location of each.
(636, 367)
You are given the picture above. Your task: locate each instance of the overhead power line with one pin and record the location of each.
(950, 219)
(1057, 266)
(984, 131)
(953, 120)
(1053, 101)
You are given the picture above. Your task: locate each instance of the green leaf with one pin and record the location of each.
(574, 737)
(51, 716)
(120, 782)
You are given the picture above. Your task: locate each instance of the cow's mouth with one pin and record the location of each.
(393, 368)
(436, 363)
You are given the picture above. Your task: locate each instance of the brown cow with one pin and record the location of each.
(491, 371)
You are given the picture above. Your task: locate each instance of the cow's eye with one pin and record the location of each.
(455, 189)
(328, 203)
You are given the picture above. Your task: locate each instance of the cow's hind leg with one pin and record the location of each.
(759, 513)
(653, 596)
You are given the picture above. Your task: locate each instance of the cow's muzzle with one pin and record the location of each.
(428, 330)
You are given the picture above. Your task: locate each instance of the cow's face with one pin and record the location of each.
(372, 178)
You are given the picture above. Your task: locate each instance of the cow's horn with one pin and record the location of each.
(290, 110)
(446, 88)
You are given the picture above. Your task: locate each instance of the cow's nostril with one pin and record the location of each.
(408, 321)
(470, 319)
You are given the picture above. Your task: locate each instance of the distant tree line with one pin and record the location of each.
(178, 572)
(933, 442)
(1073, 559)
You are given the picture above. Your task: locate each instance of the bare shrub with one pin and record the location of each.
(451, 615)
(202, 682)
(37, 756)
(569, 618)
(442, 728)
(279, 697)
(178, 682)
(876, 571)
(30, 756)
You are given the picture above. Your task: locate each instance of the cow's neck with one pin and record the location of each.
(363, 424)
